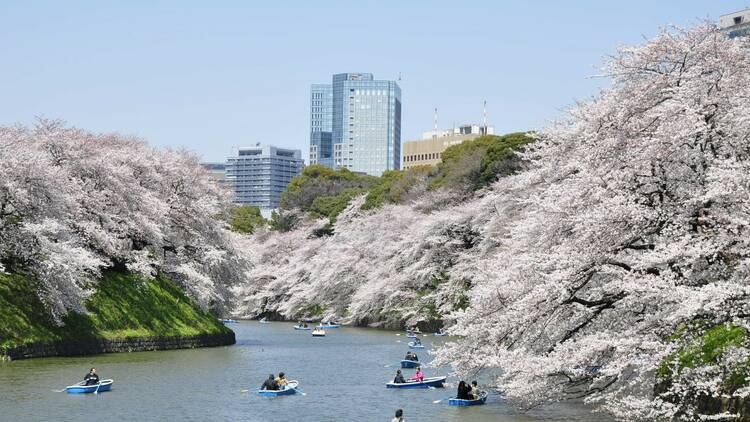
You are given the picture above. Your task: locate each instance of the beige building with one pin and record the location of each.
(428, 151)
(736, 24)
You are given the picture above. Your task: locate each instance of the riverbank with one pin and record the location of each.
(126, 313)
(385, 323)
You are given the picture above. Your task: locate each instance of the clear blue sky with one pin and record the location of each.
(207, 76)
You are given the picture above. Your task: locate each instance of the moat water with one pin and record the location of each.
(342, 376)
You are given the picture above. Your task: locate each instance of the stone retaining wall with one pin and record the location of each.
(97, 346)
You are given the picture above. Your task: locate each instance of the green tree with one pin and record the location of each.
(332, 206)
(245, 219)
(319, 181)
(396, 186)
(283, 222)
(472, 165)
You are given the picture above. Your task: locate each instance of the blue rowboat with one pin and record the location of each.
(461, 402)
(409, 363)
(229, 321)
(288, 390)
(426, 383)
(415, 346)
(439, 334)
(328, 326)
(82, 388)
(411, 335)
(297, 327)
(264, 321)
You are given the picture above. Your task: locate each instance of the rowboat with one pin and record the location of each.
(229, 321)
(426, 383)
(264, 321)
(411, 335)
(462, 402)
(329, 325)
(416, 346)
(409, 363)
(319, 332)
(82, 388)
(297, 327)
(288, 390)
(439, 334)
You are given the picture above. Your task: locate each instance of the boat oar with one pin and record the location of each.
(97, 387)
(299, 390)
(438, 401)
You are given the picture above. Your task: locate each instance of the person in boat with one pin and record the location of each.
(91, 378)
(475, 393)
(417, 342)
(305, 325)
(281, 381)
(418, 376)
(399, 416)
(464, 391)
(270, 383)
(439, 332)
(399, 379)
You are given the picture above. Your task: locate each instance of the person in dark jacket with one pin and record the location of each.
(270, 384)
(91, 378)
(464, 391)
(399, 379)
(411, 356)
(399, 416)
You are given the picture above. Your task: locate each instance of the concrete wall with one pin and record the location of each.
(98, 346)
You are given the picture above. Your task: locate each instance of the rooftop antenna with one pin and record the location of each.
(484, 117)
(435, 133)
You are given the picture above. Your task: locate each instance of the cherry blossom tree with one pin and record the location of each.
(581, 273)
(630, 224)
(73, 203)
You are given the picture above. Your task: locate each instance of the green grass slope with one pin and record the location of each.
(123, 306)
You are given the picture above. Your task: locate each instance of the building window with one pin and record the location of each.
(737, 20)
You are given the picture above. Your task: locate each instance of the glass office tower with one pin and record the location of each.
(365, 123)
(321, 118)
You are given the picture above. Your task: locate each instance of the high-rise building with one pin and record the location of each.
(355, 123)
(258, 175)
(428, 151)
(736, 24)
(321, 122)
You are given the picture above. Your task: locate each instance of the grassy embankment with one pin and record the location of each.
(123, 306)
